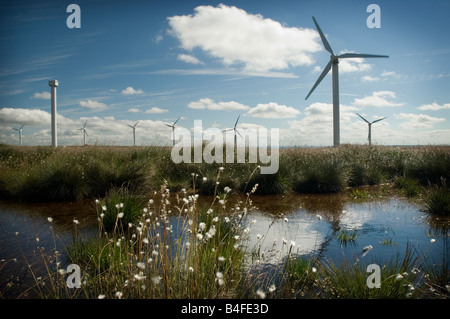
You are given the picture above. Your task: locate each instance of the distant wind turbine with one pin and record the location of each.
(235, 131)
(370, 127)
(20, 133)
(134, 132)
(84, 133)
(333, 64)
(173, 130)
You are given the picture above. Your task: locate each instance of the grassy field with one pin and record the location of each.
(142, 252)
(70, 173)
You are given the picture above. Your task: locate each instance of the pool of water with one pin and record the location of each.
(301, 224)
(316, 225)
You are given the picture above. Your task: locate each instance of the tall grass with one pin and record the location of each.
(69, 173)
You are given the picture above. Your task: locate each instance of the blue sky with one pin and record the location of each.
(155, 61)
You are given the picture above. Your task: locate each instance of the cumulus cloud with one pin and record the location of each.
(94, 105)
(273, 111)
(236, 37)
(209, 104)
(43, 95)
(131, 91)
(418, 121)
(29, 117)
(434, 107)
(156, 110)
(189, 59)
(133, 110)
(379, 99)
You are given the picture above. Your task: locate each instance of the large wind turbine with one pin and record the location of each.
(370, 127)
(20, 133)
(134, 132)
(235, 131)
(84, 133)
(173, 130)
(333, 64)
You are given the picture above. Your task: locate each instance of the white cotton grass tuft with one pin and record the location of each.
(261, 294)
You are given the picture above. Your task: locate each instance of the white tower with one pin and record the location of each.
(53, 84)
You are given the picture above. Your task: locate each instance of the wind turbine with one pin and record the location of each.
(235, 131)
(20, 133)
(370, 127)
(84, 133)
(173, 130)
(333, 64)
(134, 132)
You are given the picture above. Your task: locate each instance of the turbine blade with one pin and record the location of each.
(324, 40)
(379, 120)
(324, 72)
(237, 131)
(22, 126)
(363, 118)
(129, 125)
(85, 124)
(361, 55)
(236, 121)
(136, 123)
(176, 121)
(227, 130)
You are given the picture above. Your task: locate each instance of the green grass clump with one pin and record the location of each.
(119, 208)
(321, 176)
(409, 186)
(438, 201)
(346, 236)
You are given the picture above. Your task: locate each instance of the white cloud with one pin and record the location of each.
(273, 111)
(368, 78)
(209, 104)
(133, 110)
(237, 37)
(189, 59)
(130, 91)
(158, 38)
(353, 65)
(29, 117)
(379, 99)
(418, 121)
(156, 110)
(434, 107)
(391, 74)
(95, 105)
(43, 95)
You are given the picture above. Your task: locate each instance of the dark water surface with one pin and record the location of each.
(311, 224)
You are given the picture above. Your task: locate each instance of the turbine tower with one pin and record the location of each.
(235, 131)
(333, 64)
(20, 133)
(53, 84)
(173, 130)
(134, 132)
(84, 133)
(370, 127)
